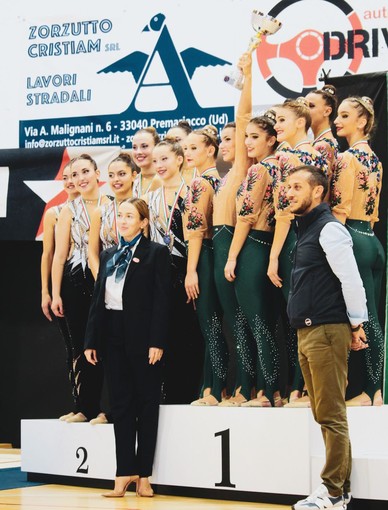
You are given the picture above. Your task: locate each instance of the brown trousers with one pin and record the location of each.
(323, 357)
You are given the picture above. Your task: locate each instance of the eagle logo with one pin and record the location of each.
(163, 77)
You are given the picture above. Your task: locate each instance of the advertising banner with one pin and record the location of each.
(91, 74)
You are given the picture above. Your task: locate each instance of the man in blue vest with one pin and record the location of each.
(327, 305)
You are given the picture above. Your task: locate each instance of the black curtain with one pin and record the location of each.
(373, 85)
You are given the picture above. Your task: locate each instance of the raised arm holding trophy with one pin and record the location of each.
(263, 25)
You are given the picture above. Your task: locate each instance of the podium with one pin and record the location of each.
(252, 454)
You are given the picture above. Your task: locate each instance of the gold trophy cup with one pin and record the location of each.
(262, 24)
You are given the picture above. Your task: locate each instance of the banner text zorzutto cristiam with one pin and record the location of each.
(67, 47)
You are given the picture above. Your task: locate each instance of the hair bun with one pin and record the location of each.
(302, 101)
(211, 130)
(184, 124)
(367, 100)
(270, 115)
(329, 89)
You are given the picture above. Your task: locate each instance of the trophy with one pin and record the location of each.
(263, 25)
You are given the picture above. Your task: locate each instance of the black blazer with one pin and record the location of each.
(146, 299)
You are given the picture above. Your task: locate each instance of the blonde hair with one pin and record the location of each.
(364, 107)
(152, 131)
(300, 107)
(210, 137)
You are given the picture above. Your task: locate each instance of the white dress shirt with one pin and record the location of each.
(337, 244)
(114, 290)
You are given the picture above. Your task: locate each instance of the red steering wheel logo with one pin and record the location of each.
(306, 49)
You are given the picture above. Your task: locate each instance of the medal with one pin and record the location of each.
(168, 237)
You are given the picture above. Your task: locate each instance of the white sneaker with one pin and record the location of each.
(319, 500)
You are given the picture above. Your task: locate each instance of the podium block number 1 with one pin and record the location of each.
(225, 459)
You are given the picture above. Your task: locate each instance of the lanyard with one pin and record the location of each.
(115, 210)
(168, 215)
(358, 143)
(303, 142)
(207, 171)
(271, 156)
(141, 185)
(328, 130)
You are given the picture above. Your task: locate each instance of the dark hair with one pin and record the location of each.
(300, 107)
(266, 122)
(175, 147)
(364, 107)
(126, 158)
(87, 157)
(210, 135)
(185, 125)
(229, 125)
(67, 165)
(316, 177)
(328, 94)
(152, 131)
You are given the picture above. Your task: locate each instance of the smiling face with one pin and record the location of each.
(121, 178)
(166, 162)
(142, 146)
(129, 222)
(68, 184)
(84, 176)
(319, 110)
(286, 125)
(227, 145)
(258, 143)
(348, 122)
(197, 153)
(302, 195)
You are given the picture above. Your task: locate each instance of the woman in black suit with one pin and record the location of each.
(128, 328)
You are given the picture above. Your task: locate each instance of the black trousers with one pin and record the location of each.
(86, 380)
(134, 389)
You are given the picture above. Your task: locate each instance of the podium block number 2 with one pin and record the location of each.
(82, 453)
(225, 459)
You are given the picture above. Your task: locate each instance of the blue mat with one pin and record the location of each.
(13, 478)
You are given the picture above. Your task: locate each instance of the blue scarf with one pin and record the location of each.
(121, 258)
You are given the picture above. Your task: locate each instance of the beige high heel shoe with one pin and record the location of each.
(146, 491)
(121, 493)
